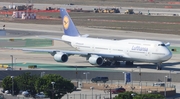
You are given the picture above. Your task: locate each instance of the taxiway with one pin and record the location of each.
(15, 30)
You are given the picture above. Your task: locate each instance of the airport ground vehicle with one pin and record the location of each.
(100, 79)
(118, 90)
(129, 11)
(107, 10)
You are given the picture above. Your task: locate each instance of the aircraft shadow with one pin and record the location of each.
(166, 66)
(177, 96)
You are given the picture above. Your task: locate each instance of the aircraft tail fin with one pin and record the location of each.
(68, 25)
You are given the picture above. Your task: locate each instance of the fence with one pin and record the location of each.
(88, 96)
(135, 86)
(118, 83)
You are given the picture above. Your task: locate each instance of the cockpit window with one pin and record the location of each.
(161, 45)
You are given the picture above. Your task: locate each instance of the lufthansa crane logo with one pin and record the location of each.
(66, 22)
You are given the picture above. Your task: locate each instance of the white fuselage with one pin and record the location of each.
(130, 49)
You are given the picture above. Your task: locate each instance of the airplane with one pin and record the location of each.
(106, 51)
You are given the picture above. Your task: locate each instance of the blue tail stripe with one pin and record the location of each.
(68, 25)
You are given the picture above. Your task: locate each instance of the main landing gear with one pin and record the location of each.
(117, 63)
(111, 63)
(129, 63)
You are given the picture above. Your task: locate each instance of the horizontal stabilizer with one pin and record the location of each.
(58, 39)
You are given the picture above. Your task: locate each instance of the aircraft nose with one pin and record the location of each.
(168, 54)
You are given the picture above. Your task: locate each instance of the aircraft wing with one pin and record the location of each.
(69, 52)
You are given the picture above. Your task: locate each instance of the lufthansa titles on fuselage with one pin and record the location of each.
(139, 48)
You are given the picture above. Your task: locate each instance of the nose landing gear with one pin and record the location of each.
(159, 67)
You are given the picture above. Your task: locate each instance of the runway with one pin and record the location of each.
(14, 30)
(85, 7)
(56, 30)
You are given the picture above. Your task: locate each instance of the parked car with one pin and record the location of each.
(40, 95)
(1, 96)
(76, 89)
(117, 90)
(6, 91)
(100, 79)
(160, 84)
(9, 68)
(25, 93)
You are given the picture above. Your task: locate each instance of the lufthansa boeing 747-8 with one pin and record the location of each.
(102, 51)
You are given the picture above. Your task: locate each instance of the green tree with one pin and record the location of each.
(7, 85)
(34, 84)
(22, 82)
(149, 96)
(125, 95)
(26, 81)
(132, 95)
(61, 86)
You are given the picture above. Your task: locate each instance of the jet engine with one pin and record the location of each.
(96, 60)
(61, 57)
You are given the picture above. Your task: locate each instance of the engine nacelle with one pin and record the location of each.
(96, 60)
(61, 57)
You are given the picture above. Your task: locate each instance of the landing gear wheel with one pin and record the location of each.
(159, 68)
(117, 64)
(128, 63)
(131, 63)
(107, 63)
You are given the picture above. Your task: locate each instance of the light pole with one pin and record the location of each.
(12, 60)
(53, 89)
(124, 77)
(165, 79)
(170, 77)
(76, 76)
(132, 78)
(140, 83)
(86, 73)
(92, 91)
(12, 77)
(15, 62)
(53, 84)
